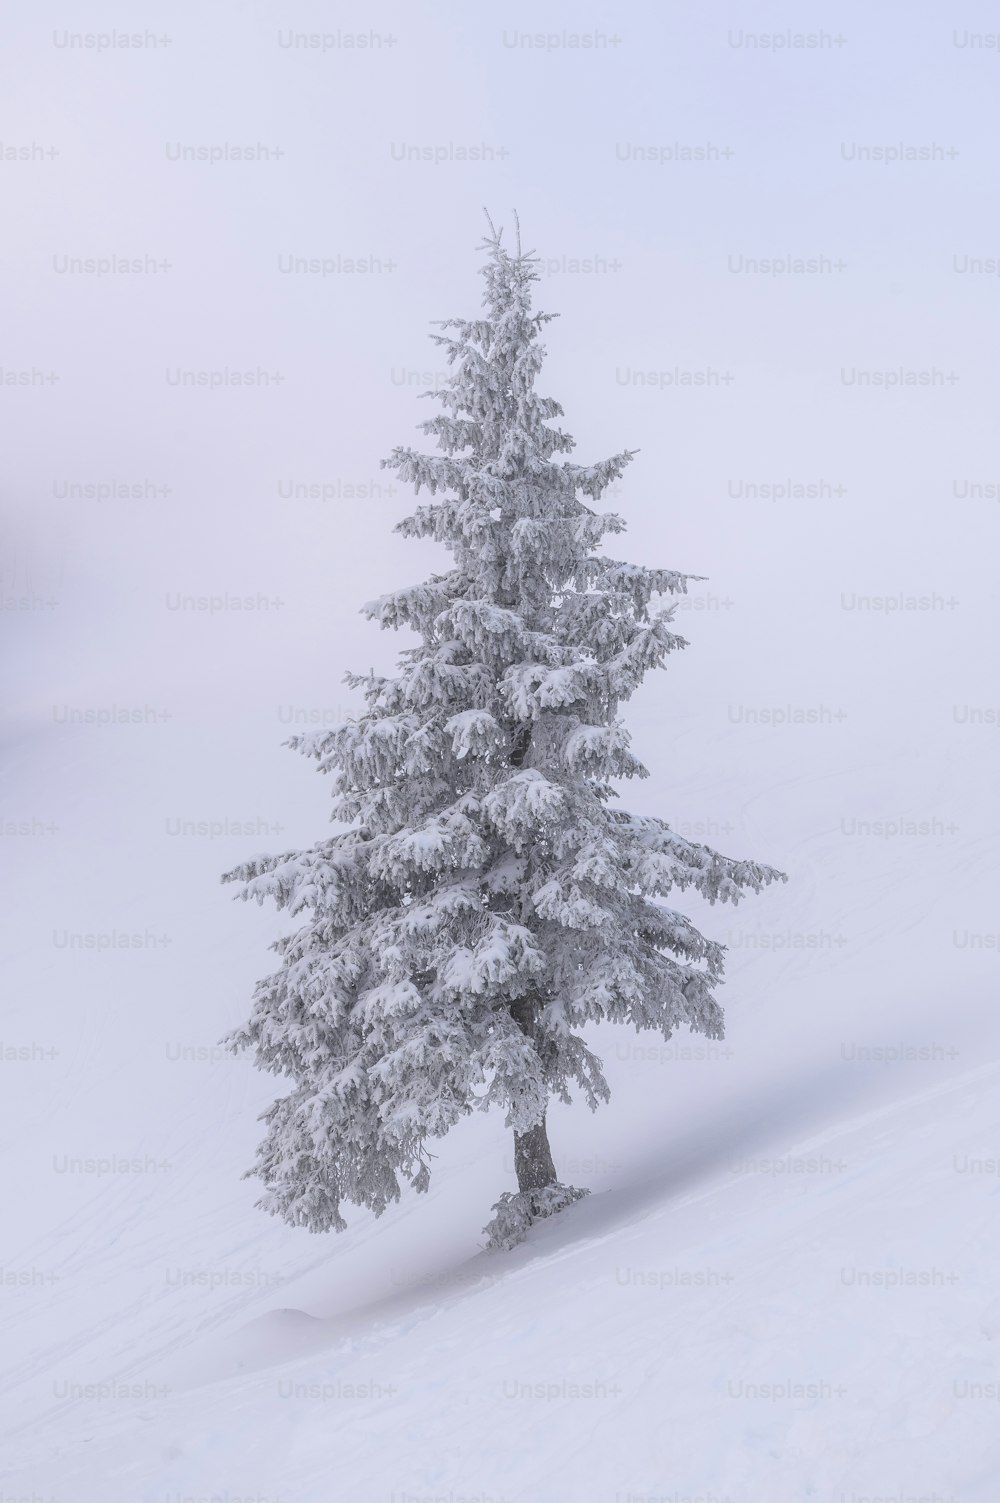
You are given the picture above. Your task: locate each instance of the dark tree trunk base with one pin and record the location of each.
(515, 1215)
(533, 1159)
(539, 1193)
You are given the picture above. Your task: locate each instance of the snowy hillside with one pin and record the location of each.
(747, 1196)
(811, 1320)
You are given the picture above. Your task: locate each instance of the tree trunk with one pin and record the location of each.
(532, 1154)
(533, 1159)
(520, 742)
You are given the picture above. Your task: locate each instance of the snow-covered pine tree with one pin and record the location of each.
(487, 899)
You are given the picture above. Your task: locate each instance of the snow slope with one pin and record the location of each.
(710, 1257)
(813, 1322)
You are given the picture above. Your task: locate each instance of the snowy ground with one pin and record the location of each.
(709, 1323)
(820, 1325)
